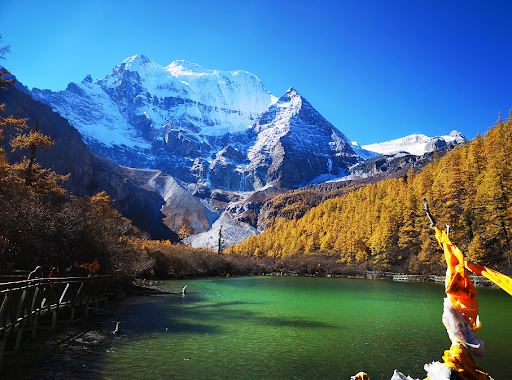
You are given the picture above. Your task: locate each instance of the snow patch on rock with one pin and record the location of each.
(233, 232)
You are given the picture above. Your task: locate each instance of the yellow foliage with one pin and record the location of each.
(469, 188)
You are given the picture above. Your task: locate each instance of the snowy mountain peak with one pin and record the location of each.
(417, 144)
(298, 144)
(182, 67)
(290, 100)
(459, 137)
(147, 115)
(134, 63)
(291, 93)
(136, 59)
(87, 79)
(279, 113)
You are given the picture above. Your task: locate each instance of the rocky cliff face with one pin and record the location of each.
(90, 173)
(294, 145)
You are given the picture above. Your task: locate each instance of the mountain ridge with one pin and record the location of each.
(181, 118)
(417, 144)
(180, 121)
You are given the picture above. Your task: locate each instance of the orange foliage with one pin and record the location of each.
(383, 225)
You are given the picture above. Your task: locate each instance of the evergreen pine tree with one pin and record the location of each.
(476, 251)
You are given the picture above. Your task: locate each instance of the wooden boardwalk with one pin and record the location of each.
(25, 305)
(410, 277)
(374, 275)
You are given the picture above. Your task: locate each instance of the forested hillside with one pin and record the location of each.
(383, 225)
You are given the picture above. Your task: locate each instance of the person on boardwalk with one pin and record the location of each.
(54, 273)
(36, 273)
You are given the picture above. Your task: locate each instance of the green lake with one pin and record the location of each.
(287, 328)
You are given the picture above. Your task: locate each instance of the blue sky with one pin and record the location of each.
(377, 70)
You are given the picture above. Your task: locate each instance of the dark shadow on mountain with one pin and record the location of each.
(90, 172)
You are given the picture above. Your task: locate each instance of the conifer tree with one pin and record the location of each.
(474, 166)
(454, 189)
(33, 176)
(42, 181)
(429, 258)
(381, 240)
(362, 252)
(5, 83)
(476, 251)
(327, 242)
(494, 209)
(409, 230)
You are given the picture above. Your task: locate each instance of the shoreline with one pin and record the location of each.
(82, 334)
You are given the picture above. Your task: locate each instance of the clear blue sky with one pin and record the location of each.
(377, 70)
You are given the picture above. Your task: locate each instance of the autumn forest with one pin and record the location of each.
(383, 226)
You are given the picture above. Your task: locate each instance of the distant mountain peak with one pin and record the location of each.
(186, 68)
(87, 79)
(290, 93)
(457, 135)
(417, 144)
(133, 63)
(176, 117)
(137, 58)
(290, 100)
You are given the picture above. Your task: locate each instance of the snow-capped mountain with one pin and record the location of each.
(142, 113)
(415, 144)
(215, 128)
(289, 145)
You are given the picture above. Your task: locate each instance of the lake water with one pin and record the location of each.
(284, 328)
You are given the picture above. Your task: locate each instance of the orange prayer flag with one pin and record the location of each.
(458, 284)
(504, 282)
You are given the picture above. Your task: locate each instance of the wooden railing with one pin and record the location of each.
(476, 280)
(410, 277)
(24, 303)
